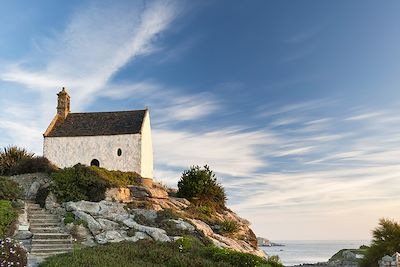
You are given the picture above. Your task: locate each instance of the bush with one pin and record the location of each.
(116, 178)
(386, 241)
(69, 217)
(228, 226)
(7, 217)
(81, 182)
(10, 157)
(78, 183)
(9, 189)
(184, 244)
(12, 254)
(32, 165)
(201, 185)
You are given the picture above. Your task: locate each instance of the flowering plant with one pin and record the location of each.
(12, 254)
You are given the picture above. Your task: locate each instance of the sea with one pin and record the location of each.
(310, 251)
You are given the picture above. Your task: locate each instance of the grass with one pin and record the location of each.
(185, 252)
(7, 217)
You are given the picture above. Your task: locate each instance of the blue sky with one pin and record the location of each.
(293, 103)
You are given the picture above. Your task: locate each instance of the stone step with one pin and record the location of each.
(51, 241)
(48, 254)
(30, 207)
(51, 236)
(45, 224)
(34, 206)
(38, 211)
(43, 217)
(50, 250)
(52, 246)
(35, 230)
(39, 221)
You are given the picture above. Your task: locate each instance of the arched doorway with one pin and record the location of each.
(95, 162)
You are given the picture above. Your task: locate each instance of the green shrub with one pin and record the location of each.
(69, 217)
(79, 183)
(9, 189)
(205, 209)
(12, 254)
(41, 196)
(201, 184)
(81, 222)
(116, 178)
(386, 241)
(32, 165)
(10, 157)
(184, 244)
(234, 258)
(7, 217)
(228, 226)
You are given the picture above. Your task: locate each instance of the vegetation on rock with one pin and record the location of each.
(9, 189)
(184, 252)
(200, 186)
(81, 182)
(386, 241)
(7, 217)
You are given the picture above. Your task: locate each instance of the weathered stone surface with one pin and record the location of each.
(156, 233)
(181, 224)
(139, 191)
(138, 236)
(110, 236)
(202, 227)
(52, 205)
(180, 202)
(92, 208)
(121, 194)
(26, 180)
(94, 226)
(153, 192)
(107, 224)
(113, 211)
(150, 215)
(80, 232)
(33, 189)
(23, 235)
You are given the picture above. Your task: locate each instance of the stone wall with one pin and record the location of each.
(68, 151)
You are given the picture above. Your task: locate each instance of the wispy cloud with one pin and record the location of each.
(84, 57)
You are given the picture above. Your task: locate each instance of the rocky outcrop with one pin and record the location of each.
(31, 182)
(139, 215)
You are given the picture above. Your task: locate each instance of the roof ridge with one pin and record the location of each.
(118, 111)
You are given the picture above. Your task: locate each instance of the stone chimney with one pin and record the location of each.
(63, 107)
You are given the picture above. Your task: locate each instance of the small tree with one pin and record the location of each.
(386, 241)
(200, 184)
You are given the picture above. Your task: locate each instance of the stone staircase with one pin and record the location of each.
(48, 236)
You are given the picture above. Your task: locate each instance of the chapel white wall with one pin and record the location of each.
(147, 148)
(68, 151)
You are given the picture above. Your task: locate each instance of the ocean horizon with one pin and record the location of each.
(295, 252)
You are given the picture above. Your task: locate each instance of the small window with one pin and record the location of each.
(95, 162)
(119, 152)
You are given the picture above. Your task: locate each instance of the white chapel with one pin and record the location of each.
(113, 140)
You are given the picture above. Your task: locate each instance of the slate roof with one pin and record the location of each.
(99, 123)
